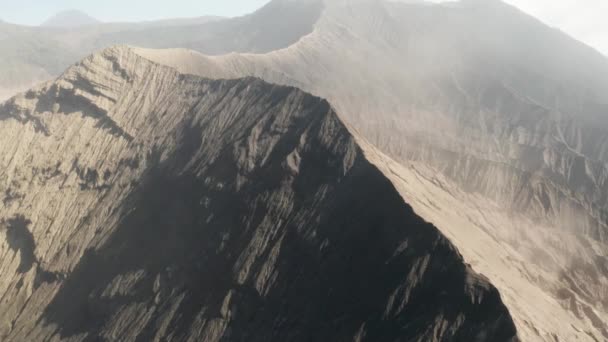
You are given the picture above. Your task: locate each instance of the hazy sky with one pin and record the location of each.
(34, 12)
(586, 20)
(583, 19)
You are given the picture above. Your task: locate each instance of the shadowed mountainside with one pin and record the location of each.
(497, 123)
(172, 207)
(501, 108)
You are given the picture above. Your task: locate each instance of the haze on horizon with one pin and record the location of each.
(35, 12)
(582, 19)
(585, 20)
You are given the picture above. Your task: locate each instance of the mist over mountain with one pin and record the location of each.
(29, 55)
(265, 204)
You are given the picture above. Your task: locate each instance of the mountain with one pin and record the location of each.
(72, 18)
(35, 54)
(496, 123)
(28, 56)
(277, 25)
(142, 203)
(490, 125)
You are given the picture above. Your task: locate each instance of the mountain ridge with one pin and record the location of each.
(260, 175)
(496, 123)
(500, 114)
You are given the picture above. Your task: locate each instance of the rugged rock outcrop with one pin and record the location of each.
(144, 204)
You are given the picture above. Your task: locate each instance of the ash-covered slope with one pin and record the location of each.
(485, 107)
(143, 204)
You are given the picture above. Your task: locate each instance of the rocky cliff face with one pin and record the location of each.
(492, 103)
(144, 204)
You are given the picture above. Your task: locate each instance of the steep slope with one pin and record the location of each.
(31, 54)
(493, 102)
(500, 107)
(143, 204)
(27, 58)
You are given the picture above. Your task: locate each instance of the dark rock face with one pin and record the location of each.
(239, 211)
(312, 266)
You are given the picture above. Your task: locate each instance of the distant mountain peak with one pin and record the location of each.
(481, 2)
(70, 18)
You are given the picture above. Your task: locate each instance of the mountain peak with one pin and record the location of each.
(234, 160)
(70, 18)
